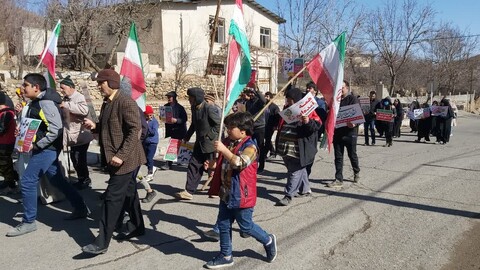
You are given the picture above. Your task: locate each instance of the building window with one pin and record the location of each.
(265, 37)
(220, 33)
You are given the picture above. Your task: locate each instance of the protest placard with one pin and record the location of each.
(418, 114)
(351, 113)
(384, 115)
(28, 129)
(161, 113)
(364, 104)
(305, 106)
(166, 114)
(185, 153)
(439, 110)
(172, 150)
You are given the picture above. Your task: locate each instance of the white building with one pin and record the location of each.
(173, 25)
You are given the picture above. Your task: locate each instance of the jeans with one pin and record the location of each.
(78, 155)
(339, 145)
(150, 149)
(45, 162)
(369, 126)
(243, 216)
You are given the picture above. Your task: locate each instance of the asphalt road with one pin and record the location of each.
(417, 206)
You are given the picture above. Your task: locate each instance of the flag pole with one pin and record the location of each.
(224, 90)
(283, 89)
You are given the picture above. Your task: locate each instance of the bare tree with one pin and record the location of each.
(91, 24)
(395, 31)
(449, 49)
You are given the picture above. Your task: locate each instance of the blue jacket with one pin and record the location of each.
(152, 133)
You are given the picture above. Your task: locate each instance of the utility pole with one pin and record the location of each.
(213, 33)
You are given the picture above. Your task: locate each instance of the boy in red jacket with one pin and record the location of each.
(235, 180)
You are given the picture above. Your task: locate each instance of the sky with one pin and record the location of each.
(463, 13)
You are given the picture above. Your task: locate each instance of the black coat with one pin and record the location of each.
(178, 129)
(206, 124)
(346, 131)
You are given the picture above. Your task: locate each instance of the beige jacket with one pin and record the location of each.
(75, 110)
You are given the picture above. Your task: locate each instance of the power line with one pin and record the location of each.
(425, 39)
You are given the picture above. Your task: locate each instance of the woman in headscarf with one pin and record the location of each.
(414, 123)
(386, 104)
(445, 123)
(398, 119)
(424, 126)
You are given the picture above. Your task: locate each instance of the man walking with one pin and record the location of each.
(45, 149)
(345, 137)
(176, 128)
(369, 125)
(119, 130)
(206, 125)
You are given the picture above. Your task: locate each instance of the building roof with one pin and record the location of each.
(254, 3)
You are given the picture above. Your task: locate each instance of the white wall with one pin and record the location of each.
(34, 40)
(196, 33)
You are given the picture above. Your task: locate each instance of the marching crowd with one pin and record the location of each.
(128, 138)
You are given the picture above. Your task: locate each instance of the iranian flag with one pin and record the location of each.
(326, 70)
(239, 65)
(49, 54)
(132, 68)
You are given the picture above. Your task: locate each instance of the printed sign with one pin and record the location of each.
(185, 153)
(288, 67)
(172, 150)
(384, 115)
(166, 114)
(161, 113)
(303, 107)
(28, 129)
(297, 66)
(364, 104)
(419, 114)
(439, 110)
(351, 113)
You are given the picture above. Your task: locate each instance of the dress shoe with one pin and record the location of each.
(94, 249)
(126, 236)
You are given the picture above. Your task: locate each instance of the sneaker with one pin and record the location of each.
(373, 144)
(356, 177)
(22, 228)
(212, 235)
(219, 262)
(284, 202)
(149, 177)
(271, 249)
(149, 197)
(304, 194)
(335, 184)
(184, 195)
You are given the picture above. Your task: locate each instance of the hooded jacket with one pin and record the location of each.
(46, 108)
(205, 122)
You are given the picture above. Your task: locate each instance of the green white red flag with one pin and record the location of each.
(49, 54)
(132, 68)
(326, 70)
(239, 65)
